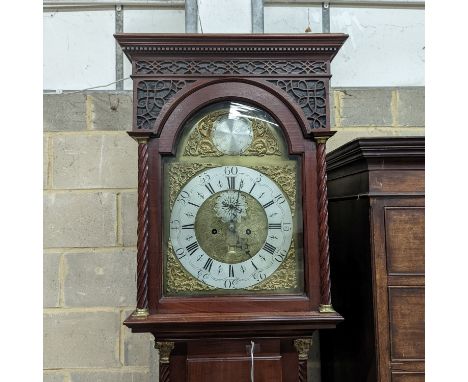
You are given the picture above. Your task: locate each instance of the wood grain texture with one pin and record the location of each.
(404, 232)
(377, 261)
(407, 377)
(406, 316)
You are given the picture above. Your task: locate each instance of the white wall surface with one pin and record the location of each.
(150, 21)
(225, 16)
(385, 47)
(79, 49)
(292, 19)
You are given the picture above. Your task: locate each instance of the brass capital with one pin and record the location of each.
(302, 346)
(321, 140)
(326, 309)
(165, 349)
(141, 140)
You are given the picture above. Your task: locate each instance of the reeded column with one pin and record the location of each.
(143, 229)
(324, 249)
(302, 346)
(165, 349)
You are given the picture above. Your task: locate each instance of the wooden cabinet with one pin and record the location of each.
(376, 220)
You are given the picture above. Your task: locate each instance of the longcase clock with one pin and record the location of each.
(233, 261)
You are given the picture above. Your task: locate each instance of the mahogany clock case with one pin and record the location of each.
(174, 77)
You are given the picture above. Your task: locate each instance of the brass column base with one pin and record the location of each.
(326, 309)
(140, 313)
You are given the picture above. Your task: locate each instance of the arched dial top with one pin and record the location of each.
(231, 227)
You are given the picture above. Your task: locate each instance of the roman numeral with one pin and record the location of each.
(193, 204)
(231, 270)
(210, 188)
(274, 226)
(191, 248)
(208, 264)
(269, 248)
(266, 205)
(252, 188)
(188, 226)
(231, 182)
(254, 265)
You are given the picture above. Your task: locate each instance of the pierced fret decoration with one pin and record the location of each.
(311, 96)
(151, 97)
(231, 67)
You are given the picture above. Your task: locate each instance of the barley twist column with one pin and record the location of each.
(324, 250)
(165, 349)
(302, 346)
(142, 230)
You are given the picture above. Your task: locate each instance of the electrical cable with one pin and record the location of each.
(252, 346)
(58, 91)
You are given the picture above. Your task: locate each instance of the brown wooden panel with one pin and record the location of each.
(396, 181)
(406, 280)
(412, 377)
(404, 235)
(234, 369)
(406, 313)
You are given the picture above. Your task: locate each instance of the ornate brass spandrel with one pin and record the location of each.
(285, 177)
(179, 280)
(200, 141)
(180, 174)
(285, 276)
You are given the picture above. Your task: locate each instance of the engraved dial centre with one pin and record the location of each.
(232, 135)
(231, 231)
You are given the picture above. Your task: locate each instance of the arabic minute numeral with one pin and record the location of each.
(230, 283)
(281, 256)
(286, 227)
(180, 253)
(280, 199)
(259, 275)
(231, 170)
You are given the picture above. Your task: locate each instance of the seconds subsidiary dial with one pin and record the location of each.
(231, 227)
